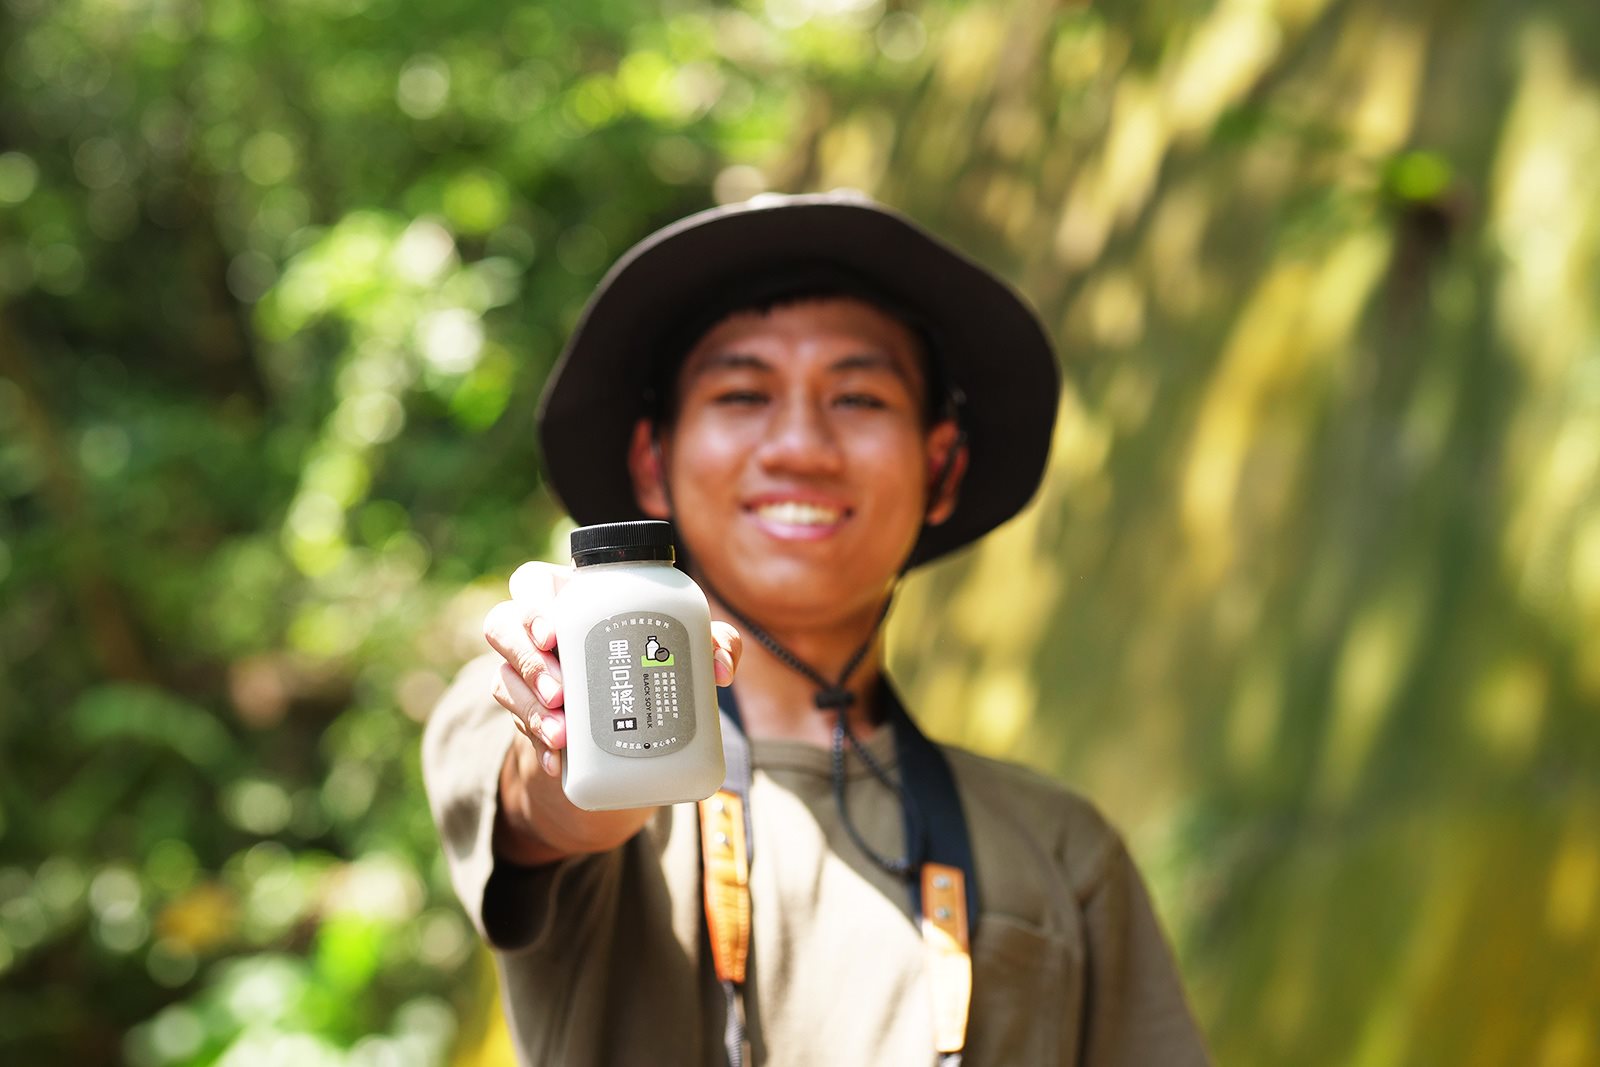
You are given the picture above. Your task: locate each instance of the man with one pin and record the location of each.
(819, 395)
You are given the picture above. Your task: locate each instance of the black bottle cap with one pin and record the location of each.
(622, 542)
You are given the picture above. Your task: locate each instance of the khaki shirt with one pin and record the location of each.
(603, 959)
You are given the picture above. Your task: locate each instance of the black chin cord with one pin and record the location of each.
(834, 697)
(831, 696)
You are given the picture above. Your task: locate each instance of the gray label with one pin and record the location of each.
(641, 684)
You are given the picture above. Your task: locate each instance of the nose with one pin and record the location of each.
(800, 440)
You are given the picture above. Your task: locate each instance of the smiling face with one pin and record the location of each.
(799, 458)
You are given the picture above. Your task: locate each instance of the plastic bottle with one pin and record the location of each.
(634, 635)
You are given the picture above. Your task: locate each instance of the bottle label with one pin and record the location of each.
(641, 684)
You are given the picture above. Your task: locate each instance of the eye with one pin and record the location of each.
(866, 401)
(740, 398)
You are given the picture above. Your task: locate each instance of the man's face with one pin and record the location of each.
(799, 461)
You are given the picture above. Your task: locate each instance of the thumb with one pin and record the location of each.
(536, 583)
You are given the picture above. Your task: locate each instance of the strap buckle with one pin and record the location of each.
(949, 953)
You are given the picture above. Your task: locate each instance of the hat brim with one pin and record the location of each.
(991, 346)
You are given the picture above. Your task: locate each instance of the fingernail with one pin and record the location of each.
(552, 765)
(541, 631)
(535, 725)
(724, 660)
(548, 688)
(546, 728)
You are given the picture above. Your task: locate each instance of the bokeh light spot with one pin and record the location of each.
(257, 806)
(451, 340)
(738, 182)
(100, 163)
(19, 176)
(476, 201)
(176, 1034)
(423, 253)
(60, 885)
(901, 37)
(424, 87)
(104, 451)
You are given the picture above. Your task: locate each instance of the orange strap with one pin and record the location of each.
(726, 858)
(949, 952)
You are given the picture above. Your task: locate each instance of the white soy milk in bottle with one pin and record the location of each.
(634, 636)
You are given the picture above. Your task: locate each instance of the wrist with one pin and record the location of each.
(536, 824)
(515, 838)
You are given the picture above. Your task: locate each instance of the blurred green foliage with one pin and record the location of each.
(279, 285)
(1310, 602)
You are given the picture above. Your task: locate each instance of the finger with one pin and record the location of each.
(506, 626)
(548, 728)
(543, 632)
(513, 694)
(725, 656)
(534, 585)
(503, 628)
(546, 761)
(537, 583)
(553, 730)
(534, 739)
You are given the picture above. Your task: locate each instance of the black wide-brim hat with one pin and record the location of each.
(991, 351)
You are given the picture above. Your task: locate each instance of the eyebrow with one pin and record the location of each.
(737, 360)
(734, 360)
(871, 361)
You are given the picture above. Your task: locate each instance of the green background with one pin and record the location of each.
(1310, 602)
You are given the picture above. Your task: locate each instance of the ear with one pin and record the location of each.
(947, 456)
(648, 472)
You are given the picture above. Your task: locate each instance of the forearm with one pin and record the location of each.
(536, 824)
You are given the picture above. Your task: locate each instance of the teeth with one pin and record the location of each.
(793, 513)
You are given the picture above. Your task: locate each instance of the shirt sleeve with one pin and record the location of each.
(1135, 1012)
(573, 936)
(463, 749)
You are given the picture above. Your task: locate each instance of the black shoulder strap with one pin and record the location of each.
(931, 786)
